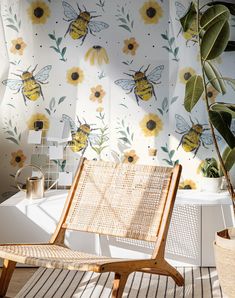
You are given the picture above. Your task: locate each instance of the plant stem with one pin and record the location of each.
(225, 172)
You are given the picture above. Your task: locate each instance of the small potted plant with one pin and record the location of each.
(211, 180)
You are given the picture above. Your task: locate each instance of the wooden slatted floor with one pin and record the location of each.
(19, 279)
(48, 283)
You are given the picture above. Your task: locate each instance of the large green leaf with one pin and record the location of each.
(214, 77)
(224, 107)
(222, 122)
(228, 158)
(215, 40)
(213, 15)
(229, 5)
(189, 17)
(193, 91)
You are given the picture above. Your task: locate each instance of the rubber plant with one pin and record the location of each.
(213, 33)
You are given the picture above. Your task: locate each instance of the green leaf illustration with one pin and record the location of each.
(59, 41)
(61, 99)
(52, 36)
(125, 27)
(13, 27)
(13, 140)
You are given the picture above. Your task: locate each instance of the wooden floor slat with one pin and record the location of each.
(47, 283)
(20, 277)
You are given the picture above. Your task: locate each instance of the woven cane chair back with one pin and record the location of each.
(119, 200)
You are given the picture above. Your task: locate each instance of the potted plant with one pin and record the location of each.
(211, 180)
(212, 37)
(212, 174)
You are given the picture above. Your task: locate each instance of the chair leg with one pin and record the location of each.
(7, 271)
(178, 278)
(119, 284)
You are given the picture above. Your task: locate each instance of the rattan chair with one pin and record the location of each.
(122, 200)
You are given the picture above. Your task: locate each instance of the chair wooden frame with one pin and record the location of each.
(155, 265)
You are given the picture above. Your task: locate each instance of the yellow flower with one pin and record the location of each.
(99, 109)
(75, 76)
(17, 158)
(97, 54)
(130, 46)
(39, 117)
(187, 184)
(18, 46)
(97, 93)
(151, 12)
(130, 157)
(185, 74)
(151, 125)
(211, 94)
(38, 12)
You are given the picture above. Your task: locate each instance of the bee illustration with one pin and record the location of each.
(191, 33)
(29, 84)
(81, 135)
(141, 83)
(81, 24)
(193, 136)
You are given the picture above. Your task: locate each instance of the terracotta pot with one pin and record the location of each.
(224, 248)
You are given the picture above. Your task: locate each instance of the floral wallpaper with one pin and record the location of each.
(116, 70)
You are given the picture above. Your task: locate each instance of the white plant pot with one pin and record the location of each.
(211, 184)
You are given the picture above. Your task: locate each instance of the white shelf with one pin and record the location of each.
(192, 197)
(196, 197)
(19, 198)
(196, 218)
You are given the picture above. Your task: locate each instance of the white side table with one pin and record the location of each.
(196, 218)
(216, 213)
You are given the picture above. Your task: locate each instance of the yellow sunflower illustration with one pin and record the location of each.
(39, 117)
(185, 74)
(130, 157)
(97, 94)
(75, 76)
(187, 184)
(151, 125)
(17, 158)
(97, 55)
(211, 94)
(18, 46)
(130, 46)
(151, 12)
(39, 12)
